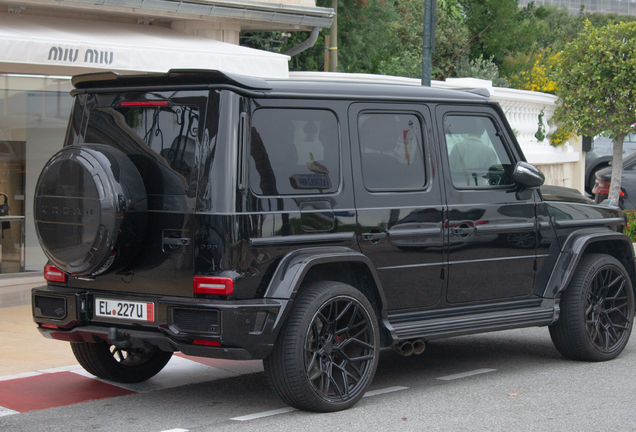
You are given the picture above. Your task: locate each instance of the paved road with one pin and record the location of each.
(506, 381)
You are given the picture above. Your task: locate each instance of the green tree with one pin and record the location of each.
(600, 19)
(499, 28)
(364, 34)
(481, 68)
(596, 85)
(451, 40)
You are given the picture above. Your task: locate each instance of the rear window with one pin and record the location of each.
(151, 132)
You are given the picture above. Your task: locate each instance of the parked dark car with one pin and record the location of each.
(627, 199)
(600, 156)
(310, 224)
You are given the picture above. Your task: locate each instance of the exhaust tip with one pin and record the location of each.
(404, 349)
(418, 347)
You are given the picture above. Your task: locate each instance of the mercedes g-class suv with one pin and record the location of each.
(310, 224)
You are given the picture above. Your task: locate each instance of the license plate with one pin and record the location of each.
(126, 310)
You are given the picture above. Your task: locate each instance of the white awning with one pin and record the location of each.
(45, 45)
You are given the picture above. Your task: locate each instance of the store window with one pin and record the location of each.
(34, 112)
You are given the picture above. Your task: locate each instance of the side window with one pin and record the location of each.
(391, 151)
(294, 152)
(476, 154)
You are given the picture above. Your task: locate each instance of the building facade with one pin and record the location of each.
(44, 42)
(621, 7)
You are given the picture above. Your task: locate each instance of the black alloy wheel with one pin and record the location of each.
(125, 365)
(597, 311)
(327, 353)
(607, 310)
(339, 349)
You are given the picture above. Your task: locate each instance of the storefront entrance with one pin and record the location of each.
(34, 112)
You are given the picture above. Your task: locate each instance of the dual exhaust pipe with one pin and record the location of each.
(409, 347)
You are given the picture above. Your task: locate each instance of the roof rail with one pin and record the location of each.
(480, 91)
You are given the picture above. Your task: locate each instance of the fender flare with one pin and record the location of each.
(572, 251)
(294, 266)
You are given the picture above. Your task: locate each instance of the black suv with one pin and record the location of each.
(310, 224)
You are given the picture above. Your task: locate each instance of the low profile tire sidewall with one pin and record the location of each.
(329, 292)
(576, 300)
(98, 359)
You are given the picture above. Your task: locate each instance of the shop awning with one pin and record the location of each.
(57, 46)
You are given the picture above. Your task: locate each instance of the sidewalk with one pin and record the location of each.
(23, 350)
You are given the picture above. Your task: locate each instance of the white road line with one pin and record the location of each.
(18, 376)
(176, 430)
(465, 374)
(177, 373)
(385, 390)
(6, 411)
(290, 409)
(264, 414)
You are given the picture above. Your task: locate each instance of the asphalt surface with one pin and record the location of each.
(508, 381)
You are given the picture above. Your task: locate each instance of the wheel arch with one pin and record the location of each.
(598, 162)
(584, 242)
(300, 268)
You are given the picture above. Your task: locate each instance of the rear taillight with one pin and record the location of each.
(213, 285)
(602, 187)
(49, 326)
(53, 274)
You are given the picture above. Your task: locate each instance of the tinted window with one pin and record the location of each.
(476, 154)
(391, 151)
(294, 152)
(163, 137)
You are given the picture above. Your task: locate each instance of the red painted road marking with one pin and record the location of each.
(54, 389)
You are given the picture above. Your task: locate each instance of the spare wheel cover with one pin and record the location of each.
(90, 210)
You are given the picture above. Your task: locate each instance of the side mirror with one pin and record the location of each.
(527, 176)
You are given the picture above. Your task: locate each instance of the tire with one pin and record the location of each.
(326, 355)
(597, 311)
(132, 365)
(90, 210)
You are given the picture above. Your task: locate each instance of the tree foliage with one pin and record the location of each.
(364, 36)
(481, 68)
(451, 40)
(472, 37)
(498, 28)
(596, 85)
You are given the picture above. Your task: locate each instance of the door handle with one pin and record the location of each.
(463, 230)
(373, 236)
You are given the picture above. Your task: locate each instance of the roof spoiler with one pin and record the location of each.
(173, 76)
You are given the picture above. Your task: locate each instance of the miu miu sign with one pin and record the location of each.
(70, 55)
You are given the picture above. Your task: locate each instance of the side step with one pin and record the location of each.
(473, 320)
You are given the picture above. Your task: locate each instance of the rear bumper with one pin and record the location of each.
(239, 330)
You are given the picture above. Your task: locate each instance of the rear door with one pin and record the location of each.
(160, 132)
(398, 200)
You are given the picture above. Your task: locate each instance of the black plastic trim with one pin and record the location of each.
(573, 249)
(458, 324)
(589, 222)
(303, 239)
(175, 87)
